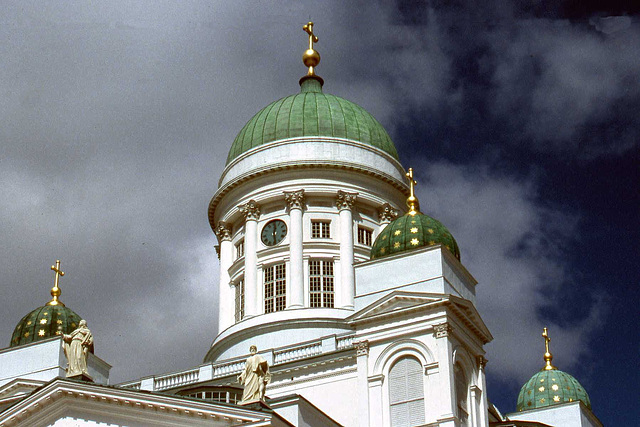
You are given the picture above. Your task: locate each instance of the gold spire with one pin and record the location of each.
(412, 201)
(55, 291)
(311, 57)
(547, 355)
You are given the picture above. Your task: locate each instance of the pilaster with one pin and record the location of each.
(362, 354)
(444, 349)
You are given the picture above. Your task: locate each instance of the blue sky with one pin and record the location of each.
(521, 120)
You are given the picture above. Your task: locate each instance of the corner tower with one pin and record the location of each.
(310, 182)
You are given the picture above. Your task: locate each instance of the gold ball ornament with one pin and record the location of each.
(311, 58)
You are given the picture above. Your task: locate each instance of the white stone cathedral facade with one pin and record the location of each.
(358, 301)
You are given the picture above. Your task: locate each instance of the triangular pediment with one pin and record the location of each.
(396, 302)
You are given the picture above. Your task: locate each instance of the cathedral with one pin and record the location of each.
(341, 302)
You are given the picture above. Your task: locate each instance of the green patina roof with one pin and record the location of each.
(411, 232)
(44, 322)
(311, 113)
(552, 387)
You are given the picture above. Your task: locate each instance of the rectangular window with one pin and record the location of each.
(321, 284)
(275, 288)
(320, 229)
(240, 249)
(239, 300)
(364, 236)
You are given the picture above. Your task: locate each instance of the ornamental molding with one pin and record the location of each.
(362, 348)
(482, 361)
(345, 200)
(250, 210)
(387, 213)
(442, 330)
(294, 199)
(223, 231)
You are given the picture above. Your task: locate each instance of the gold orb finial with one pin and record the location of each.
(310, 57)
(412, 201)
(547, 354)
(55, 291)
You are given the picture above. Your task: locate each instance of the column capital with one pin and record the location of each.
(482, 361)
(250, 210)
(442, 330)
(345, 200)
(362, 348)
(294, 199)
(223, 231)
(387, 213)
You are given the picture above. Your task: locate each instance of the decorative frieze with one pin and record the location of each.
(223, 231)
(387, 213)
(250, 210)
(362, 348)
(345, 200)
(442, 330)
(294, 199)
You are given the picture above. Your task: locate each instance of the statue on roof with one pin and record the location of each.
(77, 345)
(255, 377)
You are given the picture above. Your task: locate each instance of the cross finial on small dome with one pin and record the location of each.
(547, 354)
(311, 57)
(55, 291)
(412, 201)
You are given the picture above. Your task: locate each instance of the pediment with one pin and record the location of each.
(397, 302)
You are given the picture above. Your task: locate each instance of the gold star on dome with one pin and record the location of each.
(384, 237)
(396, 245)
(432, 242)
(414, 230)
(41, 332)
(59, 322)
(541, 380)
(26, 334)
(397, 232)
(541, 389)
(414, 242)
(46, 313)
(542, 400)
(382, 250)
(556, 398)
(528, 403)
(554, 387)
(73, 325)
(29, 322)
(430, 230)
(413, 221)
(58, 332)
(43, 321)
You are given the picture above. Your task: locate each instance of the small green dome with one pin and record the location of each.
(311, 113)
(411, 232)
(44, 322)
(550, 387)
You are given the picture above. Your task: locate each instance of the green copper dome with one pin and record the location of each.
(311, 113)
(411, 232)
(44, 322)
(551, 387)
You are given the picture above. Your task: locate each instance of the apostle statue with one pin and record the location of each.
(76, 347)
(255, 377)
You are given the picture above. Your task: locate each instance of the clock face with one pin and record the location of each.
(274, 232)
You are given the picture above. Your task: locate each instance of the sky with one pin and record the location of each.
(520, 119)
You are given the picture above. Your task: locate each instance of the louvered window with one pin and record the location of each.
(406, 393)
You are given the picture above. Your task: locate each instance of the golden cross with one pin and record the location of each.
(547, 354)
(412, 201)
(308, 28)
(55, 291)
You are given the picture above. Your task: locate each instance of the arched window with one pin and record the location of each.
(406, 393)
(462, 390)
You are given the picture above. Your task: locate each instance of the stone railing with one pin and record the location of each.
(175, 380)
(235, 366)
(344, 342)
(298, 352)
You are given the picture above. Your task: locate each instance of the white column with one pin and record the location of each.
(483, 406)
(447, 404)
(226, 297)
(251, 212)
(362, 354)
(295, 201)
(345, 203)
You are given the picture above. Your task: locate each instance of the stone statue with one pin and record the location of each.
(255, 377)
(76, 347)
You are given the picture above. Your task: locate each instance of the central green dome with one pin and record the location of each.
(311, 113)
